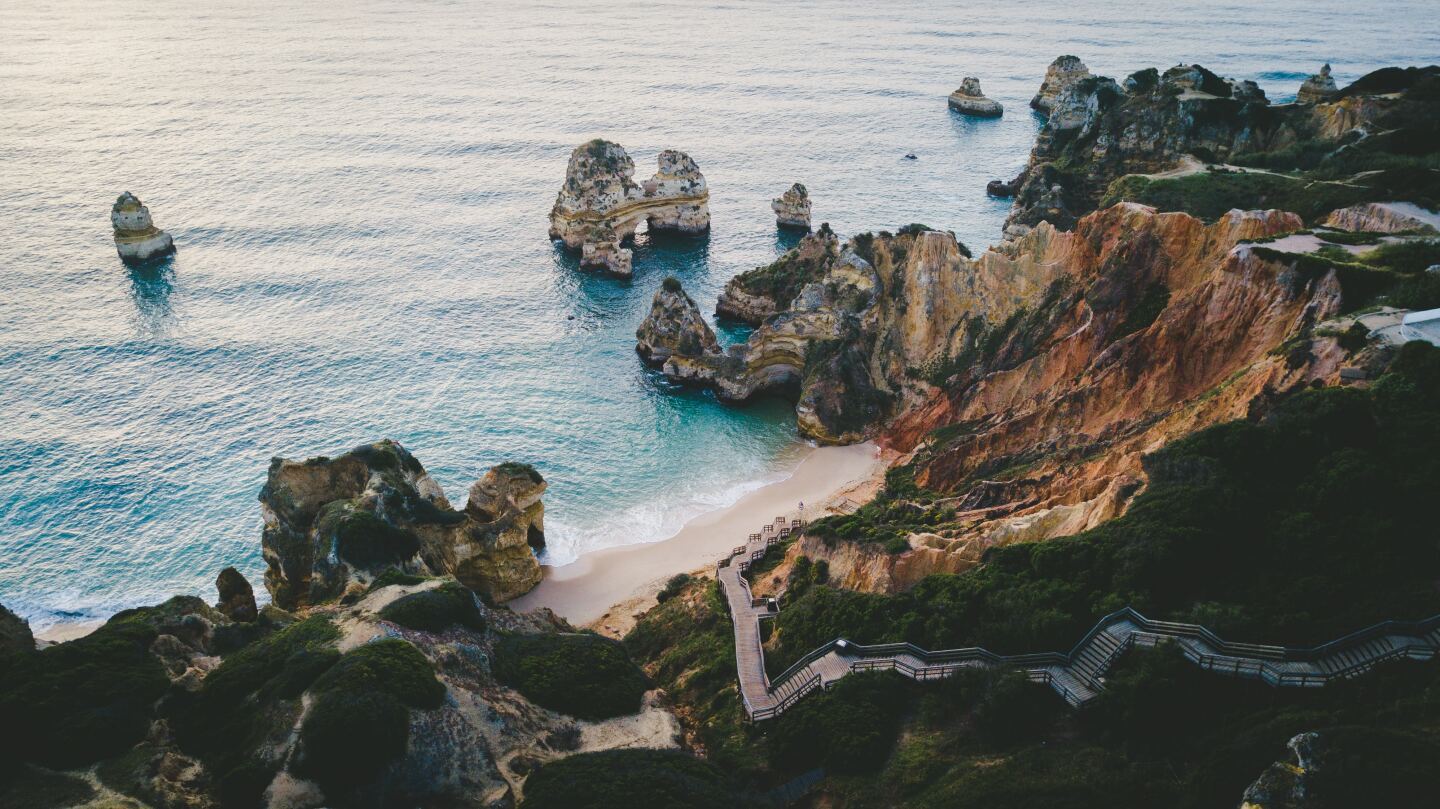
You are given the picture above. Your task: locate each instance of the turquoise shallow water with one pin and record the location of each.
(359, 192)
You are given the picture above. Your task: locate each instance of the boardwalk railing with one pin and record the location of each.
(1078, 676)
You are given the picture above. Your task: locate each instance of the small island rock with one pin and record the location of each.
(600, 205)
(1318, 88)
(1063, 73)
(136, 237)
(674, 327)
(970, 100)
(792, 209)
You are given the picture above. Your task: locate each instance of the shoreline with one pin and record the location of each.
(603, 590)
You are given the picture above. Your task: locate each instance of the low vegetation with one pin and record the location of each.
(583, 675)
(629, 779)
(436, 609)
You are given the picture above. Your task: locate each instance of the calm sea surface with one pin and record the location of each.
(359, 192)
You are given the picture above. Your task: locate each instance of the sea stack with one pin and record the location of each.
(1318, 88)
(673, 328)
(136, 237)
(792, 208)
(969, 100)
(601, 200)
(1063, 73)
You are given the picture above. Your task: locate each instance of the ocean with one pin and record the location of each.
(359, 193)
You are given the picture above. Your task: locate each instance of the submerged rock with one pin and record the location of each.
(792, 209)
(136, 237)
(237, 599)
(1062, 73)
(330, 523)
(1318, 88)
(600, 205)
(970, 100)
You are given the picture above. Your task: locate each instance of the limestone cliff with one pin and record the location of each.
(600, 205)
(1062, 73)
(136, 237)
(333, 524)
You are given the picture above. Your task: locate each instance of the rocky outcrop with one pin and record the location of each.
(600, 205)
(792, 208)
(1379, 217)
(970, 100)
(1062, 73)
(331, 524)
(674, 328)
(602, 251)
(237, 599)
(136, 237)
(1318, 89)
(15, 636)
(753, 296)
(1287, 785)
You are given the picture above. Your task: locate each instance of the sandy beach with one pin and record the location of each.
(603, 589)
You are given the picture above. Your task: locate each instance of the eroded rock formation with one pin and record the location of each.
(753, 296)
(792, 208)
(970, 100)
(237, 599)
(331, 524)
(1379, 217)
(1318, 88)
(1062, 73)
(673, 328)
(136, 237)
(600, 205)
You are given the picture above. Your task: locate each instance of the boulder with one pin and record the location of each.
(15, 635)
(674, 327)
(335, 522)
(237, 599)
(970, 100)
(1062, 73)
(1318, 89)
(600, 192)
(136, 237)
(792, 209)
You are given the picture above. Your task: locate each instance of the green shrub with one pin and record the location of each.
(672, 587)
(849, 728)
(73, 703)
(585, 676)
(390, 665)
(394, 576)
(1013, 709)
(33, 788)
(671, 284)
(1410, 256)
(436, 609)
(364, 539)
(1354, 337)
(1348, 237)
(630, 779)
(521, 469)
(350, 736)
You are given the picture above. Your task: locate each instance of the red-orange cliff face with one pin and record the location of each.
(1154, 326)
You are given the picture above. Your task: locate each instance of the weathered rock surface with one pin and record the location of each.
(674, 327)
(1062, 73)
(1318, 88)
(237, 599)
(333, 522)
(792, 208)
(136, 237)
(1287, 785)
(970, 100)
(15, 635)
(600, 205)
(1379, 217)
(753, 296)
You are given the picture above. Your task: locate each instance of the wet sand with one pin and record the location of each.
(586, 590)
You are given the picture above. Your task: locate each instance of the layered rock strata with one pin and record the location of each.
(792, 209)
(1062, 73)
(136, 237)
(1379, 217)
(600, 205)
(753, 296)
(970, 100)
(334, 524)
(1319, 88)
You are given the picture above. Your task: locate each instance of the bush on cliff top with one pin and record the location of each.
(629, 779)
(1242, 528)
(585, 676)
(73, 703)
(363, 539)
(360, 720)
(437, 609)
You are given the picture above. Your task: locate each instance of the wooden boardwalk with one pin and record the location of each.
(1077, 676)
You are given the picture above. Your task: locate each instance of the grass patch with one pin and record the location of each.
(585, 676)
(627, 779)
